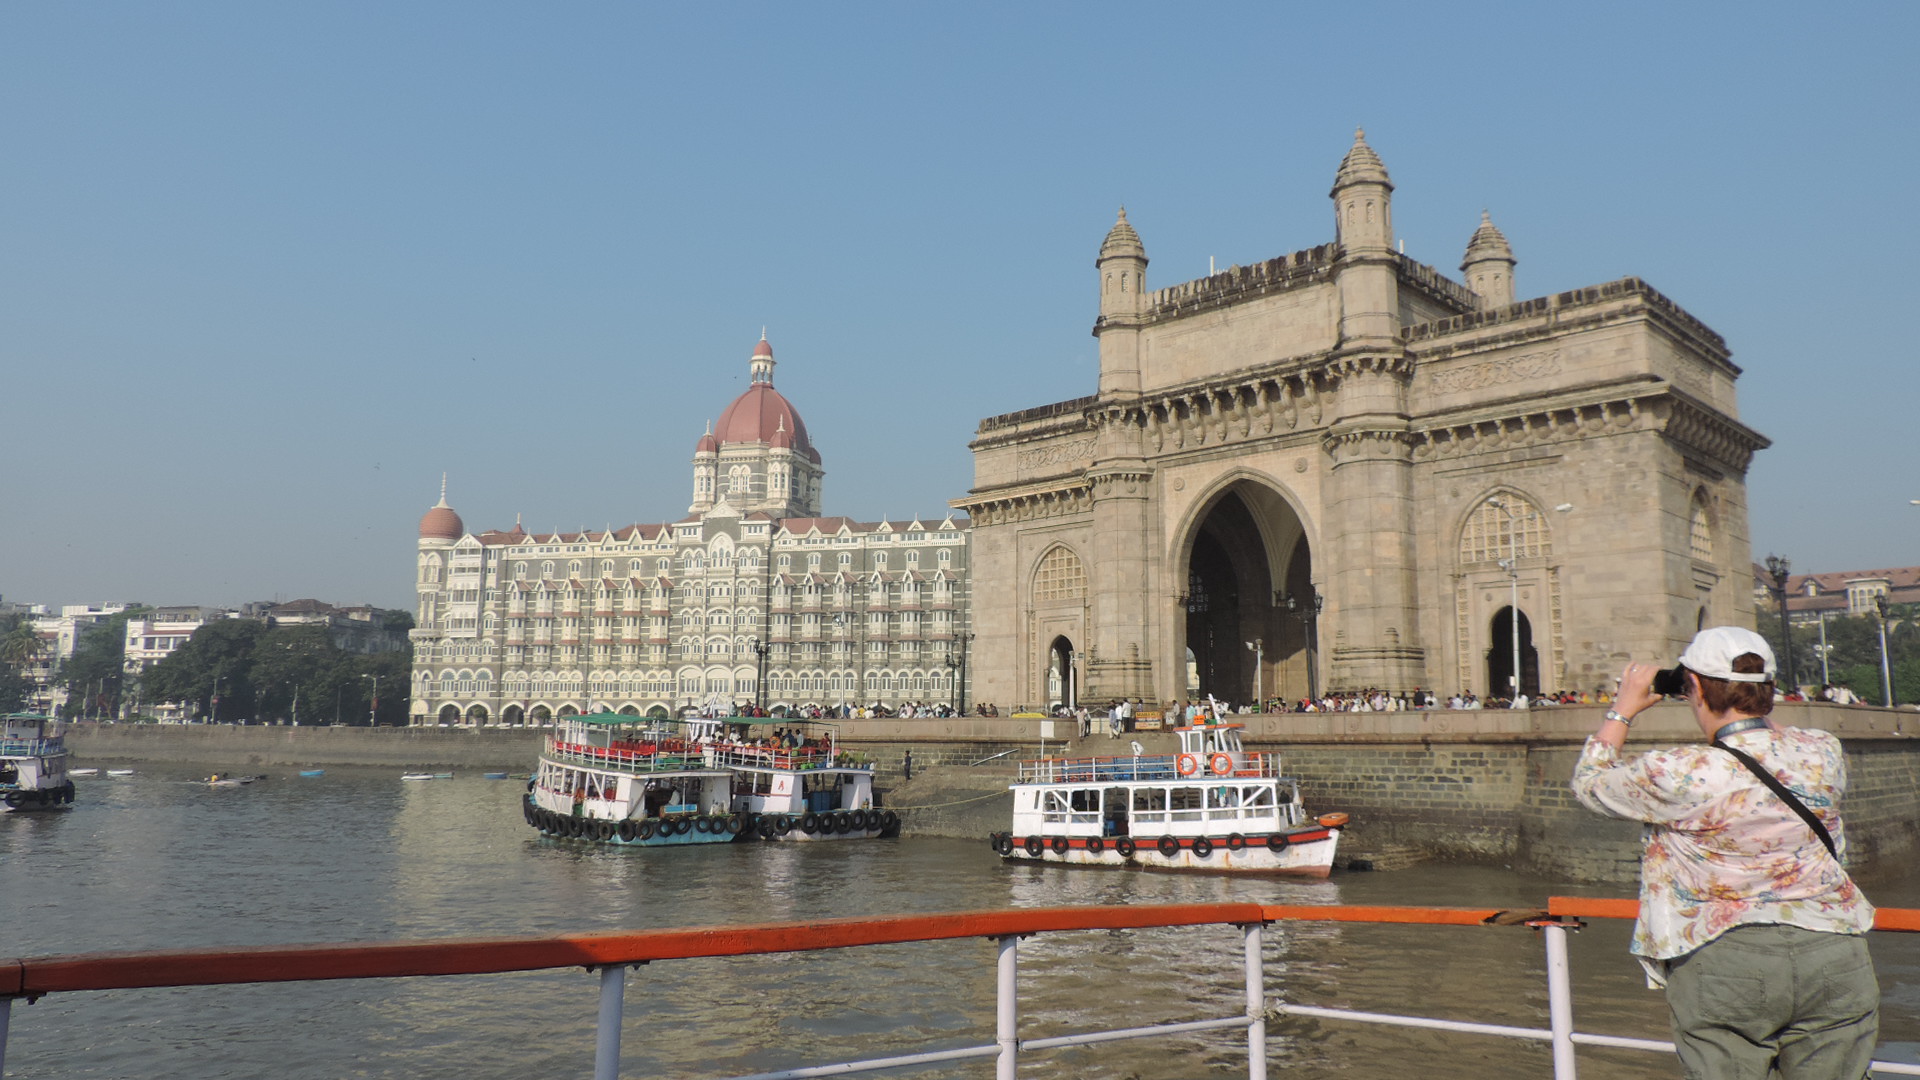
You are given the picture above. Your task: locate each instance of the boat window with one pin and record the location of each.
(1257, 798)
(1185, 798)
(1225, 798)
(1149, 798)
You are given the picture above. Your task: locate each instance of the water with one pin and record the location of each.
(150, 861)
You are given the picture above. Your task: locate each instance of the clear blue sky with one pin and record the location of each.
(267, 269)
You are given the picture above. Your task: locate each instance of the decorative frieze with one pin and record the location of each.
(1029, 505)
(1512, 369)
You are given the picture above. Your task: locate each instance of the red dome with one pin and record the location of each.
(707, 444)
(441, 523)
(758, 416)
(763, 349)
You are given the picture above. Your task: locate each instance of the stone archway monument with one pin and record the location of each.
(1329, 428)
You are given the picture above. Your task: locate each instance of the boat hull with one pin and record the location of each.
(1307, 853)
(681, 830)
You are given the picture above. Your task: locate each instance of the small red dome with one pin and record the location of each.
(763, 349)
(707, 444)
(441, 523)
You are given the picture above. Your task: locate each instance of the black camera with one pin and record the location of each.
(1670, 682)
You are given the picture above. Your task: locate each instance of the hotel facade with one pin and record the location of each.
(754, 598)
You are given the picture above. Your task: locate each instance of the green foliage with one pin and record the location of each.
(281, 673)
(15, 689)
(1853, 658)
(94, 675)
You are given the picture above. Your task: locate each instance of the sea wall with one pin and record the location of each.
(1473, 786)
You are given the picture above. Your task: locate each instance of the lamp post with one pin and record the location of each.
(760, 651)
(1886, 671)
(1826, 677)
(1779, 569)
(1258, 648)
(1307, 610)
(1511, 564)
(965, 638)
(373, 710)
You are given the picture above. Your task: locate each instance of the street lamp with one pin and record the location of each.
(760, 651)
(1779, 569)
(1886, 672)
(965, 638)
(373, 710)
(1511, 564)
(1258, 648)
(1307, 610)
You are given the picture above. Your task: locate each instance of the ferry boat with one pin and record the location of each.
(652, 782)
(33, 763)
(1212, 806)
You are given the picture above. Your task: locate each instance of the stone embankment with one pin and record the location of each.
(1483, 786)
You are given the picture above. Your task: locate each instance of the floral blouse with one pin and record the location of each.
(1721, 849)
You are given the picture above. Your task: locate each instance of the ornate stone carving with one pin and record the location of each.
(1057, 452)
(1536, 365)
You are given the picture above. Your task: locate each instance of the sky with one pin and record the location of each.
(267, 270)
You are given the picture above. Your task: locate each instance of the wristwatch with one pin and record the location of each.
(1614, 714)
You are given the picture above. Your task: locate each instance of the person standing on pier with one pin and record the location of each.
(1747, 916)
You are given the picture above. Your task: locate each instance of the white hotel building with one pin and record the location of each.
(753, 598)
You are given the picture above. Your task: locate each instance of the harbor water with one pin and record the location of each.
(154, 861)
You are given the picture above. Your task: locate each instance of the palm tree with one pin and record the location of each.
(21, 645)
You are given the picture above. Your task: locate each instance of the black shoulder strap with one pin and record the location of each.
(1786, 796)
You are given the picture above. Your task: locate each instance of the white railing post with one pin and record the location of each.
(6, 1018)
(1256, 1005)
(613, 999)
(1006, 1010)
(1559, 1001)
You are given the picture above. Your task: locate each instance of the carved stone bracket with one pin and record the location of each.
(1363, 443)
(1064, 501)
(1120, 483)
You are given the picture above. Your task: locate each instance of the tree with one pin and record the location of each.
(212, 672)
(94, 674)
(20, 645)
(15, 689)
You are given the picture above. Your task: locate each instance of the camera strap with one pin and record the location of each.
(1786, 796)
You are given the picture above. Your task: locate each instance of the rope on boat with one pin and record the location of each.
(937, 806)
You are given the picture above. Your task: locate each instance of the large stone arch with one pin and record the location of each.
(1057, 588)
(1502, 525)
(1242, 550)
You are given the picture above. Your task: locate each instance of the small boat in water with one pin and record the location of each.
(494, 776)
(119, 772)
(313, 772)
(654, 782)
(216, 780)
(33, 763)
(83, 772)
(1213, 806)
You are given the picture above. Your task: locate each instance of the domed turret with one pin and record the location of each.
(1123, 303)
(1361, 165)
(1489, 265)
(440, 522)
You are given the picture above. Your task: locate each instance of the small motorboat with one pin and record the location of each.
(313, 772)
(83, 772)
(216, 780)
(494, 775)
(426, 776)
(119, 772)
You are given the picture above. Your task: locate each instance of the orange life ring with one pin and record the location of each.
(1222, 764)
(1332, 821)
(1188, 765)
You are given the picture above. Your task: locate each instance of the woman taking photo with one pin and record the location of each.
(1747, 916)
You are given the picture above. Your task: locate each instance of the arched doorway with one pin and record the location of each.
(513, 716)
(1062, 685)
(449, 714)
(477, 715)
(1245, 556)
(542, 714)
(1500, 657)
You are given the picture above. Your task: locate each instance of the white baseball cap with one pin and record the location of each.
(1713, 650)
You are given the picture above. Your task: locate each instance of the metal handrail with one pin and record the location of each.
(611, 953)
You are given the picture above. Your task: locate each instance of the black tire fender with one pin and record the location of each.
(1202, 847)
(645, 828)
(1169, 846)
(1096, 844)
(1124, 846)
(1002, 844)
(1277, 842)
(1060, 845)
(783, 824)
(809, 822)
(859, 818)
(1035, 846)
(627, 830)
(1235, 842)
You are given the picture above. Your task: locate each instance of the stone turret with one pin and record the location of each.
(1363, 222)
(1123, 285)
(1489, 265)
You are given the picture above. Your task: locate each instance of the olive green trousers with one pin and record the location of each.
(1769, 996)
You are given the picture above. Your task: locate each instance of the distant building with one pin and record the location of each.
(362, 629)
(62, 633)
(1811, 597)
(754, 597)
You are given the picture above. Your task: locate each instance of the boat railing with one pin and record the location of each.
(772, 757)
(625, 760)
(609, 955)
(33, 747)
(1221, 765)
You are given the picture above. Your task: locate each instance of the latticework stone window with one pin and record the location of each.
(1700, 533)
(1059, 577)
(1490, 534)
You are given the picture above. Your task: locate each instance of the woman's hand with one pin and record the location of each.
(1636, 690)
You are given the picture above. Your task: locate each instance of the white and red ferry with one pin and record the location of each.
(1212, 806)
(652, 782)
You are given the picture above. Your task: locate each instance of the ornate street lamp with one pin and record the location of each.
(1307, 610)
(1886, 672)
(760, 651)
(1779, 569)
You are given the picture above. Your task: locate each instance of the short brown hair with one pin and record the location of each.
(1747, 698)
